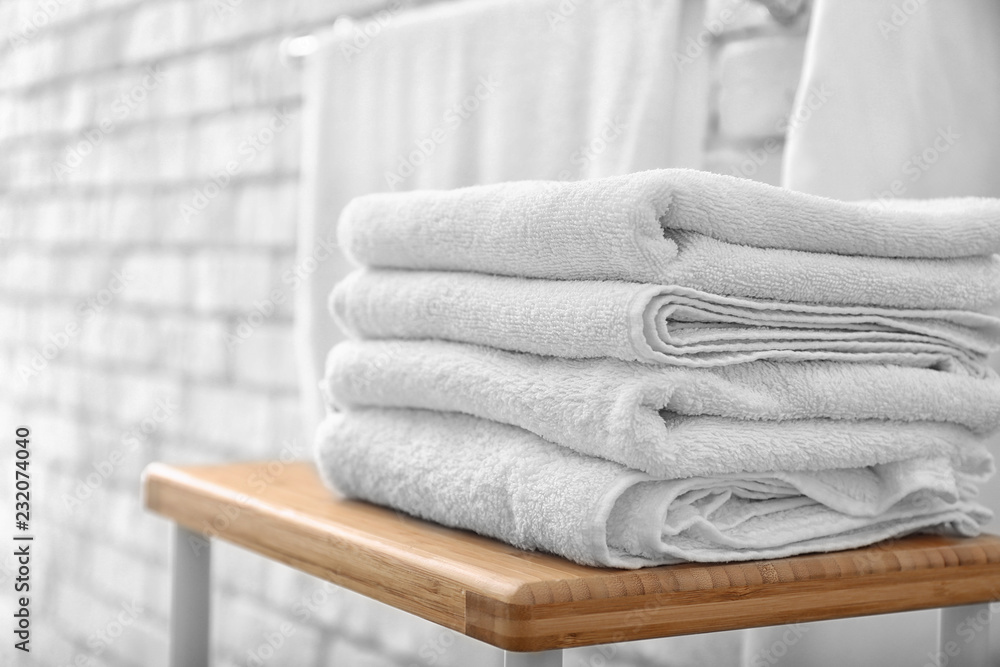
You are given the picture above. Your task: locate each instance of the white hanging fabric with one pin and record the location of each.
(462, 93)
(898, 99)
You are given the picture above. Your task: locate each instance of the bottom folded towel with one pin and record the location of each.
(504, 482)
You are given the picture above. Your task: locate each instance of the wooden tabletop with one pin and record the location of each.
(526, 601)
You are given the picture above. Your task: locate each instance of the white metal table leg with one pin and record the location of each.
(191, 596)
(538, 659)
(965, 635)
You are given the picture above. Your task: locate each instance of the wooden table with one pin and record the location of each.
(532, 605)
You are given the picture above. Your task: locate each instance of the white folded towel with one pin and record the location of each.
(504, 482)
(678, 422)
(662, 324)
(705, 231)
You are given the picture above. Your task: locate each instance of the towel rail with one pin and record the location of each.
(301, 46)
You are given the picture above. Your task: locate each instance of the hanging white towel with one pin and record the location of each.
(897, 100)
(461, 93)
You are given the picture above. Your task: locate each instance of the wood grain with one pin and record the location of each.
(527, 601)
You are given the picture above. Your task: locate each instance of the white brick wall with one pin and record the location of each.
(77, 90)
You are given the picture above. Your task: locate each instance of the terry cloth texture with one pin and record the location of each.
(680, 422)
(710, 232)
(668, 325)
(504, 482)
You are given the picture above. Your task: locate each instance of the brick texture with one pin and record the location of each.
(144, 315)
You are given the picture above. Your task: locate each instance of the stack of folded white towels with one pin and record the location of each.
(669, 365)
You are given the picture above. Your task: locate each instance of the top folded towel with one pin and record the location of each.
(628, 227)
